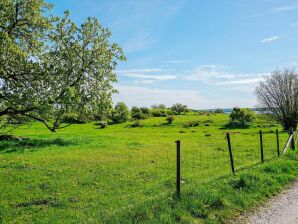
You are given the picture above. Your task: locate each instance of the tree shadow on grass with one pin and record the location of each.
(9, 146)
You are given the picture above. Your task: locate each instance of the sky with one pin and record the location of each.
(202, 53)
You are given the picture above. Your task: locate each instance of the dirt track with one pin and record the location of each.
(282, 209)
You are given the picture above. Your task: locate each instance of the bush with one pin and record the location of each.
(103, 124)
(136, 124)
(120, 113)
(178, 108)
(191, 124)
(145, 111)
(170, 119)
(241, 117)
(75, 119)
(158, 113)
(138, 116)
(219, 111)
(139, 113)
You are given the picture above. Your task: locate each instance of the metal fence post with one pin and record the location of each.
(261, 145)
(277, 142)
(231, 153)
(178, 174)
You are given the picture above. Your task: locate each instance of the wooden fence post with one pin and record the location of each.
(231, 153)
(291, 132)
(178, 173)
(261, 146)
(277, 142)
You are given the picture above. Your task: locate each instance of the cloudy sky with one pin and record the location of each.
(203, 53)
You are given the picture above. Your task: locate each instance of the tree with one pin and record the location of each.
(278, 97)
(120, 113)
(178, 108)
(50, 67)
(241, 117)
(219, 111)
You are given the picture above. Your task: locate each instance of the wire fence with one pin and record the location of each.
(125, 177)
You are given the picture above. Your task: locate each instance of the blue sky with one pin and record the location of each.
(203, 53)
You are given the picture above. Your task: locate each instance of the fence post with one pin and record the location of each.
(178, 174)
(291, 132)
(277, 142)
(261, 145)
(231, 153)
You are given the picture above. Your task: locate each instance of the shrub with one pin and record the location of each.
(75, 119)
(178, 108)
(189, 124)
(219, 111)
(103, 124)
(145, 111)
(158, 113)
(120, 113)
(241, 117)
(138, 116)
(139, 113)
(136, 124)
(170, 119)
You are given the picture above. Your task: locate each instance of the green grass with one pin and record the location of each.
(84, 174)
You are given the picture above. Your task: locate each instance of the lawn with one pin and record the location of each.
(84, 174)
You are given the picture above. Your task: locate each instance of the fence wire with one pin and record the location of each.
(125, 177)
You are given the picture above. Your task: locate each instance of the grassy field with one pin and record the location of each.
(84, 174)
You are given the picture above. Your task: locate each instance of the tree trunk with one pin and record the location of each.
(288, 124)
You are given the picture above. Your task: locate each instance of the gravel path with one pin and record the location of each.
(282, 209)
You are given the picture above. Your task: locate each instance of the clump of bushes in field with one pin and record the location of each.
(219, 111)
(139, 113)
(73, 118)
(170, 119)
(241, 117)
(136, 124)
(179, 108)
(102, 124)
(190, 124)
(120, 113)
(158, 113)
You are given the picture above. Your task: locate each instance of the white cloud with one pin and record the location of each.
(284, 8)
(295, 24)
(152, 77)
(254, 80)
(207, 73)
(143, 96)
(141, 70)
(146, 75)
(270, 39)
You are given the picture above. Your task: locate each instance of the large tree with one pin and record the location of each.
(278, 97)
(50, 67)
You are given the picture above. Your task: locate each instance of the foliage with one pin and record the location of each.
(136, 124)
(278, 97)
(189, 124)
(158, 112)
(145, 111)
(159, 106)
(170, 119)
(103, 124)
(178, 108)
(50, 67)
(120, 113)
(241, 117)
(137, 113)
(219, 111)
(135, 165)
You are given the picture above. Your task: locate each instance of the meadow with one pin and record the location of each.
(85, 174)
